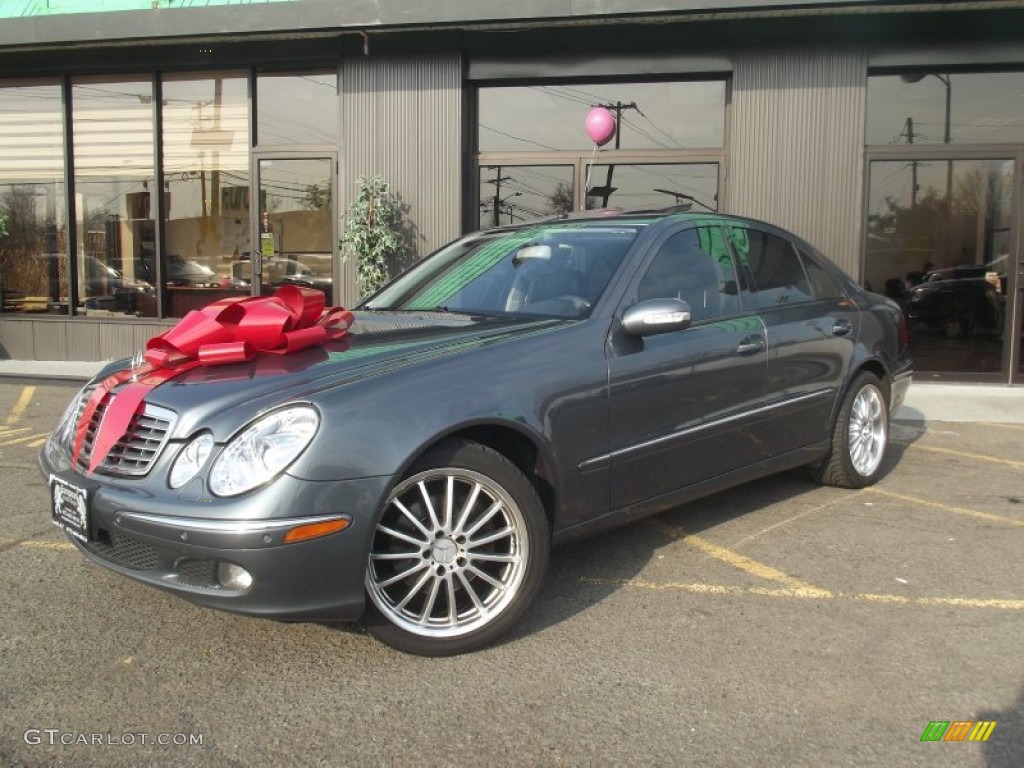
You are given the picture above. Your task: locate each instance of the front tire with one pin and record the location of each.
(458, 553)
(860, 436)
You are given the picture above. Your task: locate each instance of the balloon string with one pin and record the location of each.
(590, 169)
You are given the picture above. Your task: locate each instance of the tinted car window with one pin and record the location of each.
(693, 265)
(774, 275)
(823, 285)
(553, 270)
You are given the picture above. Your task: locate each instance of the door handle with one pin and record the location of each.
(751, 345)
(842, 327)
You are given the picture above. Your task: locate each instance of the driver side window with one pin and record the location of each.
(686, 267)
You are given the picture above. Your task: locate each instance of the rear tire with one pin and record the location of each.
(860, 436)
(458, 553)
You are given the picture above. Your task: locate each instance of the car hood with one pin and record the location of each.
(377, 344)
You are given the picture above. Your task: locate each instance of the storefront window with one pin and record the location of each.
(513, 193)
(943, 108)
(112, 121)
(297, 109)
(206, 179)
(691, 187)
(940, 243)
(33, 260)
(667, 115)
(536, 159)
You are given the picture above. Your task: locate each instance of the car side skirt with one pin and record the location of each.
(800, 457)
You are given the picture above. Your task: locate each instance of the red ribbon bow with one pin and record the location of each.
(232, 330)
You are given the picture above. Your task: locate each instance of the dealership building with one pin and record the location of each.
(888, 134)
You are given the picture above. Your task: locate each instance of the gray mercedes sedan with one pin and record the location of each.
(519, 388)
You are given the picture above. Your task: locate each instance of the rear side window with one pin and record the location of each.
(774, 276)
(823, 284)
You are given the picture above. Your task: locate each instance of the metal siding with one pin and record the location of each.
(797, 145)
(402, 120)
(16, 339)
(84, 339)
(50, 341)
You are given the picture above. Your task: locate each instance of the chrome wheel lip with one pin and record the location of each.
(867, 431)
(439, 537)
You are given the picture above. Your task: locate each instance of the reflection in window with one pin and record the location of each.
(206, 167)
(113, 144)
(772, 268)
(693, 186)
(514, 193)
(297, 108)
(33, 261)
(944, 256)
(943, 108)
(682, 115)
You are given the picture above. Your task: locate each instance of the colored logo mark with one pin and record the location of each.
(958, 730)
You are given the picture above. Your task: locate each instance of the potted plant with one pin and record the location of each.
(373, 233)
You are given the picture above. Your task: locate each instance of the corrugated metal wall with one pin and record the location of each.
(26, 338)
(402, 120)
(797, 145)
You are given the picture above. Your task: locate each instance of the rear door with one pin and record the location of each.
(812, 328)
(680, 403)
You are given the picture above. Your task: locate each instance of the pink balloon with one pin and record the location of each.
(600, 125)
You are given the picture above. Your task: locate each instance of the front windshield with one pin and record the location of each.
(548, 270)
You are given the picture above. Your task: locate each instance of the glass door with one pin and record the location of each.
(941, 242)
(295, 239)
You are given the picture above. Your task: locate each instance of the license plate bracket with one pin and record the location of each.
(70, 507)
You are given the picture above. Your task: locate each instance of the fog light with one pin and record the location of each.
(232, 576)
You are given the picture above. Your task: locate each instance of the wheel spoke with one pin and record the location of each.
(491, 512)
(416, 588)
(412, 518)
(494, 558)
(403, 575)
(396, 556)
(503, 533)
(485, 576)
(466, 508)
(470, 591)
(429, 504)
(428, 606)
(401, 536)
(453, 610)
(449, 500)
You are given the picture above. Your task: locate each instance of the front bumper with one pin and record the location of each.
(181, 545)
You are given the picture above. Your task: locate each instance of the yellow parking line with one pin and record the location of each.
(36, 443)
(949, 508)
(26, 438)
(999, 604)
(61, 546)
(736, 560)
(7, 431)
(962, 454)
(27, 393)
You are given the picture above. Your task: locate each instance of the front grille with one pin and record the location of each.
(136, 451)
(124, 551)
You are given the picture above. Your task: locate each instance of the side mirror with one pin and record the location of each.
(647, 318)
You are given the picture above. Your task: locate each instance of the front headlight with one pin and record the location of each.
(263, 450)
(69, 421)
(191, 459)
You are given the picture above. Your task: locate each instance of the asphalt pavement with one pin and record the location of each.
(777, 624)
